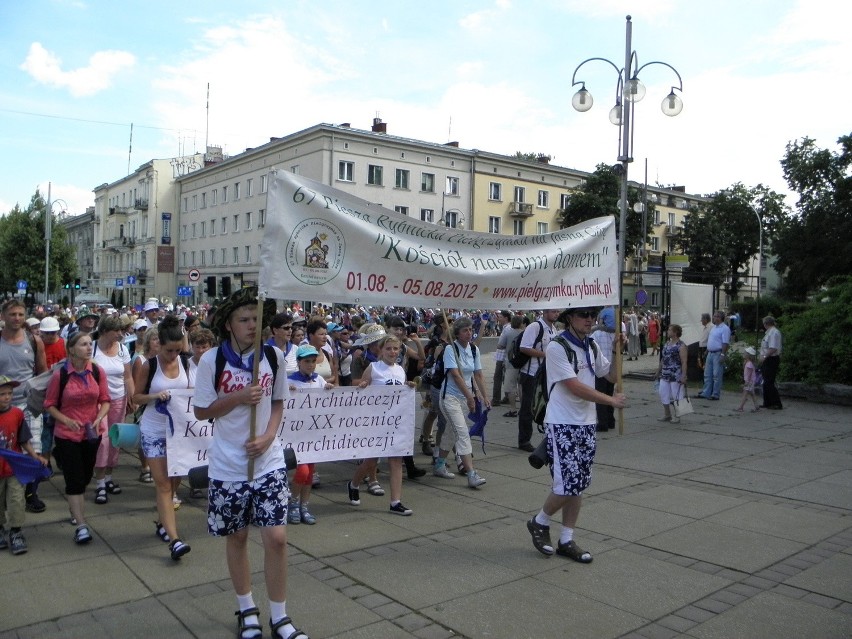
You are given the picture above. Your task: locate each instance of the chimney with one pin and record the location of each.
(379, 126)
(453, 144)
(345, 125)
(541, 158)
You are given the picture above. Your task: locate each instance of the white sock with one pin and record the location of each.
(542, 519)
(244, 602)
(394, 503)
(102, 483)
(107, 479)
(277, 611)
(566, 536)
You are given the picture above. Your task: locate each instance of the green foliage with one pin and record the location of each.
(723, 237)
(816, 243)
(817, 343)
(22, 249)
(598, 197)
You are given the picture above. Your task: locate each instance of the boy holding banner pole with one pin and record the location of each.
(235, 499)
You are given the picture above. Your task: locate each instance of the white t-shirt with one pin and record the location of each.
(228, 459)
(530, 340)
(563, 406)
(383, 375)
(113, 366)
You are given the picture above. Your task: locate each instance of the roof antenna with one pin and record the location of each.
(450, 130)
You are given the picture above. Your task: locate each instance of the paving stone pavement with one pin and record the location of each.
(725, 525)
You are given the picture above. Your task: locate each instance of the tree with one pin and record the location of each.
(598, 197)
(721, 239)
(815, 244)
(22, 248)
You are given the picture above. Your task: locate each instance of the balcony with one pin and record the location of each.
(119, 210)
(673, 231)
(520, 209)
(119, 244)
(141, 204)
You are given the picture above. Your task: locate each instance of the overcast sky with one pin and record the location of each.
(493, 75)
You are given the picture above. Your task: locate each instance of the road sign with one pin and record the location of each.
(119, 283)
(131, 280)
(194, 275)
(641, 297)
(22, 284)
(184, 291)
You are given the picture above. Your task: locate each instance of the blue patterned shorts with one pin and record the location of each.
(572, 449)
(233, 505)
(153, 446)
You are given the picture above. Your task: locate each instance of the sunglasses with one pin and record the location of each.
(584, 314)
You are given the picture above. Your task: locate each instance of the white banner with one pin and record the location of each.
(322, 243)
(320, 425)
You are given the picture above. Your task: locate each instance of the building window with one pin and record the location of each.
(655, 243)
(212, 228)
(212, 257)
(194, 202)
(183, 232)
(203, 229)
(656, 216)
(451, 219)
(261, 222)
(222, 255)
(236, 255)
(236, 223)
(185, 206)
(520, 194)
(544, 199)
(655, 299)
(401, 209)
(345, 171)
(518, 227)
(542, 228)
(201, 254)
(204, 200)
(374, 175)
(224, 195)
(296, 169)
(193, 258)
(183, 259)
(671, 221)
(224, 227)
(248, 255)
(249, 187)
(427, 182)
(495, 191)
(564, 198)
(248, 221)
(402, 178)
(493, 224)
(236, 191)
(214, 197)
(452, 185)
(263, 180)
(427, 215)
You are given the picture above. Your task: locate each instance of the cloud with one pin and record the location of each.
(45, 67)
(481, 20)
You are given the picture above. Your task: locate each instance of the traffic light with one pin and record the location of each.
(77, 284)
(211, 286)
(66, 285)
(226, 286)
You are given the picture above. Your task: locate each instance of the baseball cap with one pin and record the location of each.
(33, 321)
(140, 323)
(306, 350)
(8, 381)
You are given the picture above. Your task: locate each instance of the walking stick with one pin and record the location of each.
(254, 377)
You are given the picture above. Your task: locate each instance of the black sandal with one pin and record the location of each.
(540, 537)
(573, 551)
(275, 627)
(161, 532)
(243, 627)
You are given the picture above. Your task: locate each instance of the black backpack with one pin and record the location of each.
(439, 376)
(514, 355)
(541, 395)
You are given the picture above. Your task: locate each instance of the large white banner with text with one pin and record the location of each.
(320, 425)
(322, 243)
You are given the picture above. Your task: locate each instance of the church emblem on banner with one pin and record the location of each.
(315, 251)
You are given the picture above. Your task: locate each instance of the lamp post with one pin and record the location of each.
(48, 234)
(629, 90)
(454, 221)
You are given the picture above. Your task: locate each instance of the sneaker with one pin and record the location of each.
(474, 480)
(415, 473)
(178, 549)
(293, 516)
(113, 488)
(4, 541)
(460, 465)
(82, 535)
(354, 495)
(17, 543)
(315, 481)
(34, 504)
(441, 470)
(176, 502)
(306, 516)
(427, 448)
(399, 509)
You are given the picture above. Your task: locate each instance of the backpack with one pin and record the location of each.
(35, 388)
(514, 355)
(152, 370)
(541, 394)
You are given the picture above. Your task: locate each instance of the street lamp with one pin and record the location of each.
(48, 233)
(452, 218)
(629, 91)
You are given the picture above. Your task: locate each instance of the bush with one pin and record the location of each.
(817, 337)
